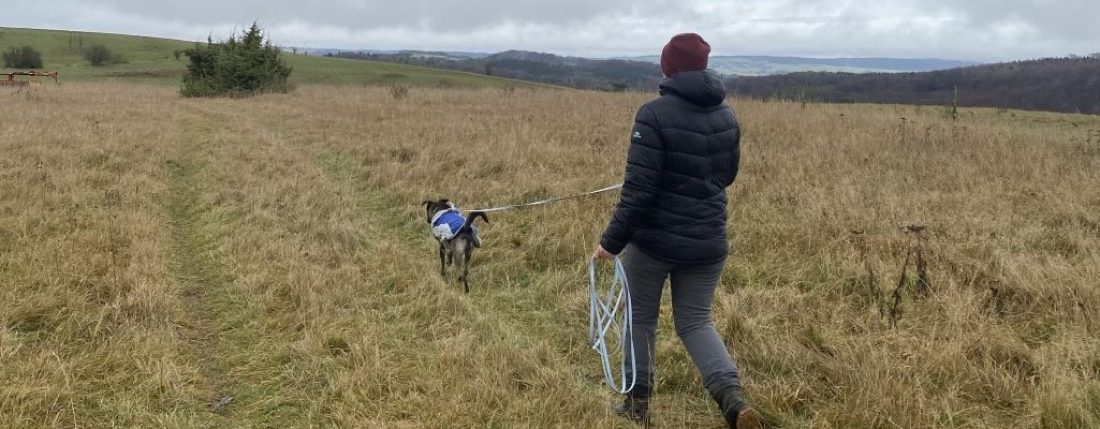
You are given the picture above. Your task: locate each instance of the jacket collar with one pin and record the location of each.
(702, 88)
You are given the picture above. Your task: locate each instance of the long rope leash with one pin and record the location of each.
(548, 200)
(607, 313)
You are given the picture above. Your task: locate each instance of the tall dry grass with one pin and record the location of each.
(263, 263)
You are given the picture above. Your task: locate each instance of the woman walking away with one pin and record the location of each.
(671, 224)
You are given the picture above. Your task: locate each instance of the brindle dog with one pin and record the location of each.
(461, 246)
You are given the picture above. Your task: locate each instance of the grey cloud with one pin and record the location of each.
(985, 30)
(433, 15)
(1051, 18)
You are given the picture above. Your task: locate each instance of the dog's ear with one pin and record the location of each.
(428, 210)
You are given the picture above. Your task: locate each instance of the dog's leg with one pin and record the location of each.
(461, 251)
(466, 267)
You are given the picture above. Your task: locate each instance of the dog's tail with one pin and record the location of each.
(470, 218)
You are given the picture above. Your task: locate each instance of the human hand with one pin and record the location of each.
(602, 254)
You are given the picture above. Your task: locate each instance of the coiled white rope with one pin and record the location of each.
(605, 314)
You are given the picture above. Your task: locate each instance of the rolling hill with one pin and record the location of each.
(1068, 85)
(546, 68)
(638, 73)
(768, 65)
(153, 60)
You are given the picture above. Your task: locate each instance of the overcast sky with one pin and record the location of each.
(981, 30)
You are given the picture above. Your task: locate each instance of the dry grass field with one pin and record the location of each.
(263, 263)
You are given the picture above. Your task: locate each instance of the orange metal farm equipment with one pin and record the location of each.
(11, 81)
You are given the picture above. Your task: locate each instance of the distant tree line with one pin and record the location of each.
(1070, 85)
(582, 73)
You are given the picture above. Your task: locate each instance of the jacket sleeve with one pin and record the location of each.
(643, 172)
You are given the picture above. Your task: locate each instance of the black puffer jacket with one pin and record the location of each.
(684, 152)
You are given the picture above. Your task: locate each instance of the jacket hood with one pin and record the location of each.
(703, 88)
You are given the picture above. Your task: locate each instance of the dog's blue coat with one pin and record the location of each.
(447, 223)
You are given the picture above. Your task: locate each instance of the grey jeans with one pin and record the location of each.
(692, 295)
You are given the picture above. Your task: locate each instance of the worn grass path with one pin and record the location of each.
(239, 356)
(196, 266)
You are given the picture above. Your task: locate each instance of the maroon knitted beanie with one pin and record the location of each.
(685, 52)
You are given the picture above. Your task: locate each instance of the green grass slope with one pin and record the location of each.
(151, 59)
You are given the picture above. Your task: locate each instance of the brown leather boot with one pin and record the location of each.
(635, 405)
(635, 409)
(747, 418)
(738, 413)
